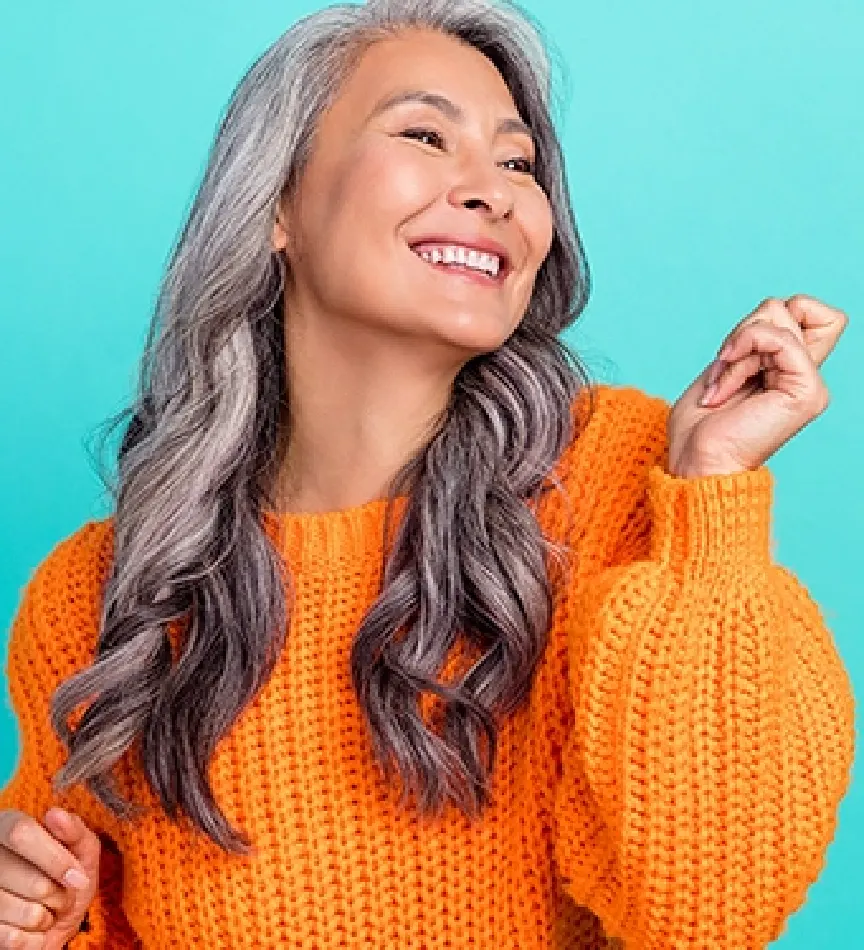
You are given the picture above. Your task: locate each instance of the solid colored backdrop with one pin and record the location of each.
(715, 154)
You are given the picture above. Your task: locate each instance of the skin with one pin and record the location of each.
(38, 909)
(374, 336)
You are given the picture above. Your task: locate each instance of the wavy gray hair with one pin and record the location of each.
(196, 463)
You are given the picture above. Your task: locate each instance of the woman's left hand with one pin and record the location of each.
(768, 387)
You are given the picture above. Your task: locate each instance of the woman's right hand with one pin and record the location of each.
(38, 910)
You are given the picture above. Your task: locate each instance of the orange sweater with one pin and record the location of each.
(673, 779)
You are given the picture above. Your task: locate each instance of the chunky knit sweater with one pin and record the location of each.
(672, 780)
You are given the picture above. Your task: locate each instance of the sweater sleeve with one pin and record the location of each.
(713, 731)
(34, 668)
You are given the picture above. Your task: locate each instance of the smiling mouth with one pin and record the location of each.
(483, 278)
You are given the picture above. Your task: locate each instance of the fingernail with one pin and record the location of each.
(715, 370)
(62, 816)
(74, 878)
(708, 395)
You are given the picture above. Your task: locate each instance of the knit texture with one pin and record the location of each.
(672, 781)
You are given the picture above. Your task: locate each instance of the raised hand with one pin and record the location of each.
(762, 389)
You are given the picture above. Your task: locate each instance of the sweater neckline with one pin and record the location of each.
(313, 538)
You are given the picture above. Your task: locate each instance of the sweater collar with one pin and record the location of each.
(315, 539)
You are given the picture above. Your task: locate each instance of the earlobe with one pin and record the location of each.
(279, 237)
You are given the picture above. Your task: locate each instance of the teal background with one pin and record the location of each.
(715, 155)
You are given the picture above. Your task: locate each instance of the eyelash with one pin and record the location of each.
(529, 170)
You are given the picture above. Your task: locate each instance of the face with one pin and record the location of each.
(380, 180)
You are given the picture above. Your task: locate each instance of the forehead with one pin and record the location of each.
(424, 58)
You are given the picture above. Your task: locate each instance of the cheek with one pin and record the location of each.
(359, 209)
(539, 226)
(382, 186)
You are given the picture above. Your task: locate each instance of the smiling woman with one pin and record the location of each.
(455, 151)
(402, 634)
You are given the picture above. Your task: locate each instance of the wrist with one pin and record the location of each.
(705, 470)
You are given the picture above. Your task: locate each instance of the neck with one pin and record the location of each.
(341, 446)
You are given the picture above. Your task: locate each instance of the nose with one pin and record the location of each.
(485, 187)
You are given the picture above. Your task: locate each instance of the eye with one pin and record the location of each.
(528, 167)
(420, 133)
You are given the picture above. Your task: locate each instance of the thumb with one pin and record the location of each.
(78, 838)
(85, 845)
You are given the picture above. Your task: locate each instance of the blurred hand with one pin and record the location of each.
(40, 908)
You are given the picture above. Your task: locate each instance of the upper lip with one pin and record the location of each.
(478, 243)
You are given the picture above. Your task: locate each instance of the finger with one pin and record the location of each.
(26, 915)
(773, 311)
(788, 364)
(82, 841)
(731, 378)
(19, 939)
(23, 879)
(26, 837)
(821, 325)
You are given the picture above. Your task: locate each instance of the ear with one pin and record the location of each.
(282, 225)
(279, 237)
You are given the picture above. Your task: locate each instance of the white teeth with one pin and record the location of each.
(467, 257)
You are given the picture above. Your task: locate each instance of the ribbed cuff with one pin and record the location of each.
(711, 522)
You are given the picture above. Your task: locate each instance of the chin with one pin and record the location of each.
(466, 333)
(472, 338)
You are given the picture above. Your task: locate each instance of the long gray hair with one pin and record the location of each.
(195, 468)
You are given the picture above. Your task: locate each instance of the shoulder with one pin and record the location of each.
(617, 405)
(77, 565)
(617, 429)
(60, 605)
(619, 435)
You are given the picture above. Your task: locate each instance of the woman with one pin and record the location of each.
(402, 634)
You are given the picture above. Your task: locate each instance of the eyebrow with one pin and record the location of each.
(450, 109)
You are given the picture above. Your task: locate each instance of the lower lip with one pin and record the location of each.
(466, 273)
